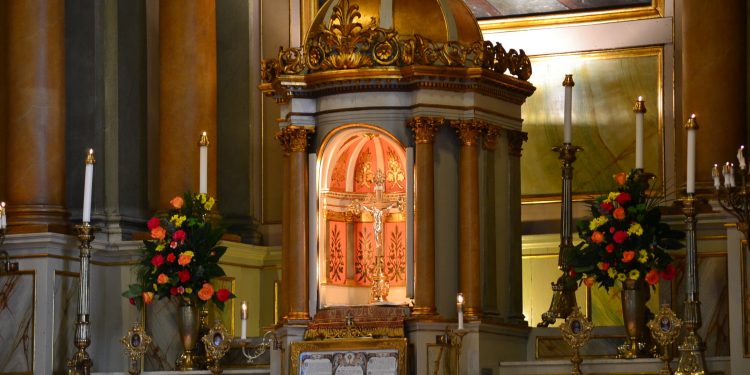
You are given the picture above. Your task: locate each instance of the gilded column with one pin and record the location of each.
(424, 129)
(468, 216)
(35, 152)
(298, 224)
(187, 94)
(514, 304)
(283, 138)
(714, 49)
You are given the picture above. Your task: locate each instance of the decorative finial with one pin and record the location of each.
(90, 157)
(568, 81)
(640, 106)
(692, 123)
(204, 139)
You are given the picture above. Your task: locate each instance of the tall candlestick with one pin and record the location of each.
(87, 186)
(460, 308)
(691, 127)
(716, 175)
(567, 115)
(203, 185)
(3, 220)
(640, 109)
(243, 319)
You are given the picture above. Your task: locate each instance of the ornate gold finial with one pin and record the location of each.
(90, 157)
(640, 106)
(692, 123)
(568, 81)
(204, 139)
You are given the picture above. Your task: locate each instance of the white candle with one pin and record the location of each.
(640, 110)
(3, 222)
(87, 186)
(567, 114)
(716, 175)
(691, 127)
(725, 172)
(741, 157)
(460, 308)
(203, 185)
(243, 319)
(731, 175)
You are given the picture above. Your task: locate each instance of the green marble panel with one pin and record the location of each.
(606, 87)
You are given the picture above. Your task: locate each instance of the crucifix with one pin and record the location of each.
(378, 208)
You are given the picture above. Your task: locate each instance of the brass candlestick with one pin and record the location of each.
(691, 350)
(269, 341)
(665, 327)
(563, 297)
(135, 344)
(576, 331)
(81, 362)
(217, 342)
(734, 199)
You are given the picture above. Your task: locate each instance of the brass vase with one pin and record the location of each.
(188, 326)
(634, 295)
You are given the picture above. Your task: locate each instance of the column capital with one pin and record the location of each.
(516, 138)
(294, 138)
(491, 133)
(424, 128)
(468, 130)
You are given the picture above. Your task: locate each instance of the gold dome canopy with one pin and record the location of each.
(437, 20)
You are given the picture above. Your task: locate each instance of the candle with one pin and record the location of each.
(567, 121)
(3, 222)
(640, 110)
(731, 175)
(203, 185)
(243, 319)
(725, 172)
(87, 186)
(460, 308)
(741, 157)
(691, 127)
(716, 175)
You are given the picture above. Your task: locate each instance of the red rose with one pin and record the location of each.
(179, 235)
(623, 198)
(611, 230)
(668, 273)
(652, 277)
(153, 223)
(184, 275)
(131, 300)
(572, 272)
(610, 248)
(605, 208)
(173, 290)
(223, 294)
(619, 213)
(620, 236)
(171, 258)
(157, 260)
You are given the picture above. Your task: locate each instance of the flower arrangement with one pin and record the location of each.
(625, 238)
(182, 256)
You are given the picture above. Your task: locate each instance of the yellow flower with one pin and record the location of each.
(159, 247)
(636, 229)
(185, 258)
(202, 197)
(155, 288)
(643, 256)
(634, 274)
(188, 290)
(597, 222)
(209, 204)
(621, 277)
(612, 272)
(612, 196)
(178, 220)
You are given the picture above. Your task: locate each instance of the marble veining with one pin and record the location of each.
(161, 324)
(65, 310)
(17, 315)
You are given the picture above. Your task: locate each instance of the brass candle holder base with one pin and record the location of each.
(380, 285)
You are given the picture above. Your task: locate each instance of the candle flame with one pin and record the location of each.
(692, 116)
(205, 134)
(640, 98)
(460, 298)
(2, 204)
(91, 151)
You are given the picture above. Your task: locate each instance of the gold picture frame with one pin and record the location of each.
(607, 84)
(325, 348)
(585, 15)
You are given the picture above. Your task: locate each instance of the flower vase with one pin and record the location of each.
(188, 327)
(634, 295)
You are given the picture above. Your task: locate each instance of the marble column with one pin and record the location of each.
(283, 138)
(297, 282)
(424, 129)
(35, 153)
(514, 305)
(469, 132)
(187, 94)
(714, 83)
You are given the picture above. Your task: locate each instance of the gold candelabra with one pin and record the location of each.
(665, 327)
(733, 198)
(269, 341)
(576, 332)
(81, 362)
(135, 344)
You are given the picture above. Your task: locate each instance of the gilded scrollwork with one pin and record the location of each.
(424, 128)
(468, 131)
(348, 43)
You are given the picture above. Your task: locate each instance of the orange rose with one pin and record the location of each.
(620, 178)
(627, 256)
(206, 292)
(652, 277)
(185, 258)
(177, 202)
(162, 279)
(589, 281)
(158, 233)
(619, 213)
(597, 237)
(148, 297)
